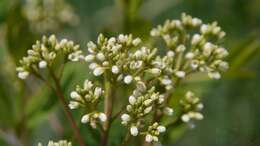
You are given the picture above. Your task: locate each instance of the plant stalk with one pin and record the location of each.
(108, 110)
(68, 114)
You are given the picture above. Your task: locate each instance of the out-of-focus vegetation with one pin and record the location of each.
(30, 113)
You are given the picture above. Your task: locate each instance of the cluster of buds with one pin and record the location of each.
(88, 97)
(193, 45)
(153, 132)
(49, 15)
(120, 56)
(44, 53)
(141, 103)
(59, 143)
(191, 108)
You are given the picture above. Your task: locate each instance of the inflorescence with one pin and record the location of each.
(192, 47)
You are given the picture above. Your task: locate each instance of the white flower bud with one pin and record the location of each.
(93, 65)
(128, 79)
(75, 95)
(154, 32)
(122, 38)
(155, 138)
(180, 48)
(166, 81)
(89, 58)
(168, 111)
(198, 116)
(148, 138)
(85, 118)
(161, 129)
(115, 69)
(136, 41)
(102, 117)
(134, 131)
(148, 110)
(196, 22)
(155, 71)
(23, 75)
(207, 49)
(98, 71)
(180, 74)
(132, 100)
(148, 102)
(100, 56)
(204, 29)
(111, 41)
(189, 55)
(195, 39)
(170, 54)
(185, 118)
(91, 47)
(42, 64)
(73, 105)
(98, 91)
(125, 117)
(200, 106)
(214, 75)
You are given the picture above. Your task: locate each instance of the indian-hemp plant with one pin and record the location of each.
(151, 74)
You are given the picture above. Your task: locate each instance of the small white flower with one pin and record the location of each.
(148, 138)
(89, 58)
(85, 118)
(161, 129)
(115, 69)
(132, 100)
(75, 95)
(125, 117)
(98, 71)
(102, 117)
(207, 49)
(100, 56)
(154, 32)
(128, 79)
(23, 75)
(185, 118)
(198, 116)
(180, 74)
(42, 64)
(200, 106)
(136, 41)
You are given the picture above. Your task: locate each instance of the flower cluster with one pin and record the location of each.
(191, 108)
(141, 103)
(59, 143)
(49, 15)
(153, 132)
(192, 47)
(88, 97)
(44, 53)
(120, 56)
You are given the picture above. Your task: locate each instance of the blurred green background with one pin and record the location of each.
(29, 113)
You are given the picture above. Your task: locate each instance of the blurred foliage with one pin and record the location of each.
(30, 112)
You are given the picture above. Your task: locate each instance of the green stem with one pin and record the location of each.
(68, 114)
(108, 103)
